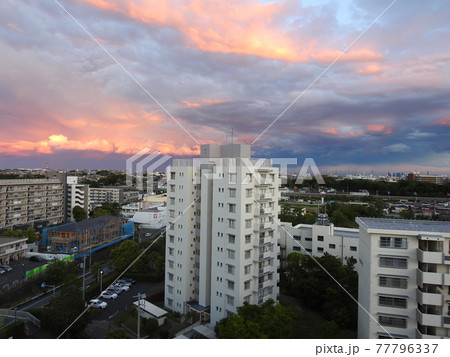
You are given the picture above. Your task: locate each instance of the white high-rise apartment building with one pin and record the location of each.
(404, 278)
(77, 195)
(222, 237)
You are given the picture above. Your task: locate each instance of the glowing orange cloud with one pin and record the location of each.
(379, 128)
(371, 70)
(245, 27)
(331, 131)
(203, 102)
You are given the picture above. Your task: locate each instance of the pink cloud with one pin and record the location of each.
(203, 102)
(444, 121)
(379, 128)
(244, 27)
(331, 131)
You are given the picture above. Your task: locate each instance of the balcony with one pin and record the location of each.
(420, 335)
(429, 298)
(429, 278)
(430, 257)
(263, 197)
(428, 319)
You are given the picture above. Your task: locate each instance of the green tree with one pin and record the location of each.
(79, 214)
(64, 309)
(407, 214)
(55, 273)
(27, 233)
(124, 254)
(270, 320)
(317, 290)
(118, 333)
(99, 212)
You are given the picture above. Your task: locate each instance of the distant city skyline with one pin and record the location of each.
(383, 106)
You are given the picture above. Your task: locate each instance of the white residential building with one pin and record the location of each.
(77, 195)
(222, 236)
(319, 238)
(404, 278)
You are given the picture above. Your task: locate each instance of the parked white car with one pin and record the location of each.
(122, 287)
(98, 304)
(109, 295)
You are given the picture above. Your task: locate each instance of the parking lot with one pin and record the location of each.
(18, 273)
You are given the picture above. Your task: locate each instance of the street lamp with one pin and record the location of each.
(101, 281)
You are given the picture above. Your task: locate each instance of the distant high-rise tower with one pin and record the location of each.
(222, 238)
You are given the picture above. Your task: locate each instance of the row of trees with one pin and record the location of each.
(399, 188)
(29, 233)
(108, 179)
(106, 209)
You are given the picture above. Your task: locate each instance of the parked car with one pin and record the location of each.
(108, 295)
(98, 304)
(5, 267)
(122, 287)
(114, 289)
(130, 280)
(123, 282)
(2, 271)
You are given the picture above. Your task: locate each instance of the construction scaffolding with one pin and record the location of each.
(88, 235)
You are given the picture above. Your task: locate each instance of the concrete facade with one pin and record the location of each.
(404, 278)
(222, 236)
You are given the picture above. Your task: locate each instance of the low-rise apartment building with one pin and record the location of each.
(12, 249)
(31, 202)
(404, 278)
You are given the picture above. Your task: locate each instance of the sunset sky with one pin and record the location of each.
(213, 65)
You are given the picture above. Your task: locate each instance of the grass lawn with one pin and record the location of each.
(308, 323)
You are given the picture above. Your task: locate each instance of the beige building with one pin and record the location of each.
(12, 249)
(31, 202)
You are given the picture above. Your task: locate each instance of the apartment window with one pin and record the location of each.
(231, 208)
(247, 269)
(320, 238)
(332, 246)
(353, 248)
(248, 193)
(392, 321)
(248, 208)
(170, 289)
(319, 249)
(247, 299)
(308, 239)
(169, 302)
(391, 242)
(247, 285)
(172, 175)
(230, 269)
(391, 301)
(171, 239)
(231, 238)
(171, 200)
(172, 213)
(248, 223)
(230, 300)
(392, 282)
(231, 192)
(389, 262)
(233, 178)
(230, 284)
(308, 250)
(296, 248)
(171, 250)
(171, 264)
(170, 277)
(230, 253)
(299, 238)
(247, 254)
(231, 223)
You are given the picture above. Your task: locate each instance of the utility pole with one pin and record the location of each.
(139, 295)
(84, 276)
